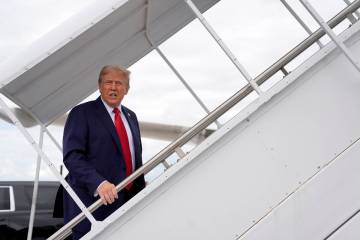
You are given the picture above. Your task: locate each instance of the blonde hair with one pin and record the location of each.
(107, 68)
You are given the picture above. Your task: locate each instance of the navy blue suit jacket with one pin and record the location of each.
(92, 153)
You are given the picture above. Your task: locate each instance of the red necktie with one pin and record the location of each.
(121, 132)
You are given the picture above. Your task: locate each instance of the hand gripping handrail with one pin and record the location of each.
(212, 116)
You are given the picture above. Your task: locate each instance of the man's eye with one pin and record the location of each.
(117, 83)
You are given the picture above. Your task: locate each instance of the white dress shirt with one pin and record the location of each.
(127, 127)
(128, 131)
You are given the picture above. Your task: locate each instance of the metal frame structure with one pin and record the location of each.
(172, 67)
(219, 111)
(223, 46)
(351, 16)
(36, 186)
(331, 34)
(43, 129)
(356, 12)
(201, 125)
(43, 156)
(164, 192)
(179, 152)
(302, 23)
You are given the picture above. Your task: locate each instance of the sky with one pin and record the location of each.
(258, 32)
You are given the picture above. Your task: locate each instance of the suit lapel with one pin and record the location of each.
(132, 124)
(106, 120)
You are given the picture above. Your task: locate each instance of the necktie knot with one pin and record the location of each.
(116, 110)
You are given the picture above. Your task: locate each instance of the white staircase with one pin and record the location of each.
(286, 167)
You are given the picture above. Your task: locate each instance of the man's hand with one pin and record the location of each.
(107, 192)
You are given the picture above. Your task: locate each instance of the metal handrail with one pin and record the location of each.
(307, 43)
(212, 116)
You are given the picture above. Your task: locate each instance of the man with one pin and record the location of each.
(101, 147)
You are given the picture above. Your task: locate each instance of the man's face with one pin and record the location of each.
(113, 87)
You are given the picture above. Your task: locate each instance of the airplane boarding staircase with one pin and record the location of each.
(286, 167)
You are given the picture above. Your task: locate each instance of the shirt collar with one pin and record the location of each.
(110, 109)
